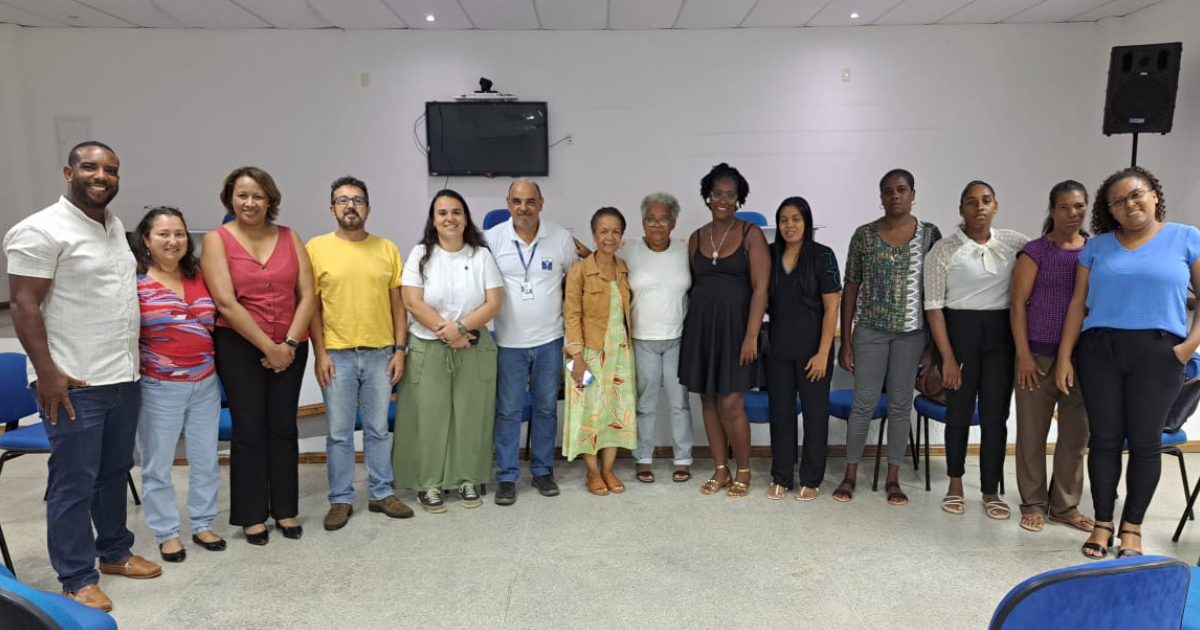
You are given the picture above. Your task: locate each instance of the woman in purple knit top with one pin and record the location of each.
(1041, 291)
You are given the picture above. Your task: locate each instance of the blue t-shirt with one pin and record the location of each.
(1143, 289)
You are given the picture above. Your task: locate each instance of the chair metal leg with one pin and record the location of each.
(529, 442)
(1183, 518)
(7, 558)
(878, 453)
(914, 441)
(1183, 473)
(132, 488)
(925, 421)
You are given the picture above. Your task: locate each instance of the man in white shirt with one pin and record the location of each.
(73, 284)
(534, 256)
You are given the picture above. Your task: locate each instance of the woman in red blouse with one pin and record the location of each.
(261, 280)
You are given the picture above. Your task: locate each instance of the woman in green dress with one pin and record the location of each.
(601, 388)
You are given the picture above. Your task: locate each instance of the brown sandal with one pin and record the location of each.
(596, 485)
(614, 485)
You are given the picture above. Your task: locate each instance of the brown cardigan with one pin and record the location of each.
(585, 308)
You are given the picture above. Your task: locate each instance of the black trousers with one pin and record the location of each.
(1129, 379)
(263, 476)
(983, 344)
(786, 378)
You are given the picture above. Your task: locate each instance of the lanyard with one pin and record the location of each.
(524, 264)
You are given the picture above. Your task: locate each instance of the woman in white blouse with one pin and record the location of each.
(967, 279)
(446, 403)
(659, 279)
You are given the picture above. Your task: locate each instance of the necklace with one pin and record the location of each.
(716, 247)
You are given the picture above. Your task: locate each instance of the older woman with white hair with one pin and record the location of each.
(659, 279)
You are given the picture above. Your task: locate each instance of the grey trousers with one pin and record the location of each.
(881, 356)
(657, 367)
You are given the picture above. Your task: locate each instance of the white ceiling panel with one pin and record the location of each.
(837, 12)
(357, 13)
(573, 15)
(210, 14)
(713, 13)
(13, 15)
(1055, 11)
(1117, 8)
(920, 11)
(138, 12)
(642, 14)
(782, 13)
(285, 13)
(988, 11)
(69, 12)
(447, 13)
(504, 15)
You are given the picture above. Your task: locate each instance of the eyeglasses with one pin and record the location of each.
(719, 196)
(1134, 195)
(342, 202)
(664, 222)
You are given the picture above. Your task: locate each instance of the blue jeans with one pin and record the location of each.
(169, 408)
(90, 458)
(539, 371)
(360, 386)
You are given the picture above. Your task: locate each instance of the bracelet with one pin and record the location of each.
(399, 348)
(292, 342)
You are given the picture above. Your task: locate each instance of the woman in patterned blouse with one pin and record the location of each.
(967, 281)
(883, 325)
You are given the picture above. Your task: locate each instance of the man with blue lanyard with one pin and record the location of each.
(534, 256)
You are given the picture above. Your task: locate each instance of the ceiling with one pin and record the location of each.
(550, 14)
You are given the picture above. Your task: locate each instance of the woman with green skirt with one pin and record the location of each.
(601, 389)
(446, 403)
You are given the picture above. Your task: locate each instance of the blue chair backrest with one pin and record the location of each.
(1146, 592)
(495, 217)
(16, 401)
(1193, 367)
(754, 217)
(23, 607)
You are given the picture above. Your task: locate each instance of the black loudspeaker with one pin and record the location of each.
(1142, 81)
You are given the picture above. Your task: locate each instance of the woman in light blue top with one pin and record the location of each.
(1130, 302)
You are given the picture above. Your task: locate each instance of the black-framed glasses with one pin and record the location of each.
(342, 202)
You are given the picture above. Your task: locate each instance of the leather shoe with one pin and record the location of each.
(506, 493)
(391, 506)
(545, 485)
(174, 556)
(135, 567)
(216, 545)
(338, 516)
(261, 538)
(293, 533)
(92, 597)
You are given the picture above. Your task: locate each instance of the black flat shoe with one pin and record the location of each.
(293, 533)
(218, 545)
(259, 539)
(174, 556)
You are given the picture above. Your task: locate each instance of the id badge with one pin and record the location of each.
(526, 290)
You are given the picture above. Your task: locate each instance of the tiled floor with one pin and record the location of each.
(659, 556)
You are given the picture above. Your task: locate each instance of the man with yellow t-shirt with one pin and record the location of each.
(358, 335)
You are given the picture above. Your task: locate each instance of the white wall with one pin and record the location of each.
(1017, 105)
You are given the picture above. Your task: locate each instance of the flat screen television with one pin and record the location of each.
(487, 138)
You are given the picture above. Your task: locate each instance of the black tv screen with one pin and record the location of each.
(487, 138)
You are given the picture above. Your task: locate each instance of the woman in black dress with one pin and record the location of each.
(805, 289)
(719, 355)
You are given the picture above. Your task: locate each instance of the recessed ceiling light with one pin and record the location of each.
(430, 18)
(853, 16)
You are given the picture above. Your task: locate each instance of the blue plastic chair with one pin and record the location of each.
(841, 402)
(495, 217)
(18, 402)
(23, 607)
(756, 218)
(1143, 592)
(758, 409)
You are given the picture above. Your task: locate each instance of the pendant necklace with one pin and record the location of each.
(717, 246)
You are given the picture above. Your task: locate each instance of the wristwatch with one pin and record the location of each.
(462, 330)
(292, 342)
(399, 348)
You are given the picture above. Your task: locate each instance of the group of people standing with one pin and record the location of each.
(147, 345)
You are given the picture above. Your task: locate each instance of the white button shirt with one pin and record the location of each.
(91, 311)
(526, 323)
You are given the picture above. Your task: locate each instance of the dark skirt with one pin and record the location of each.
(713, 332)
